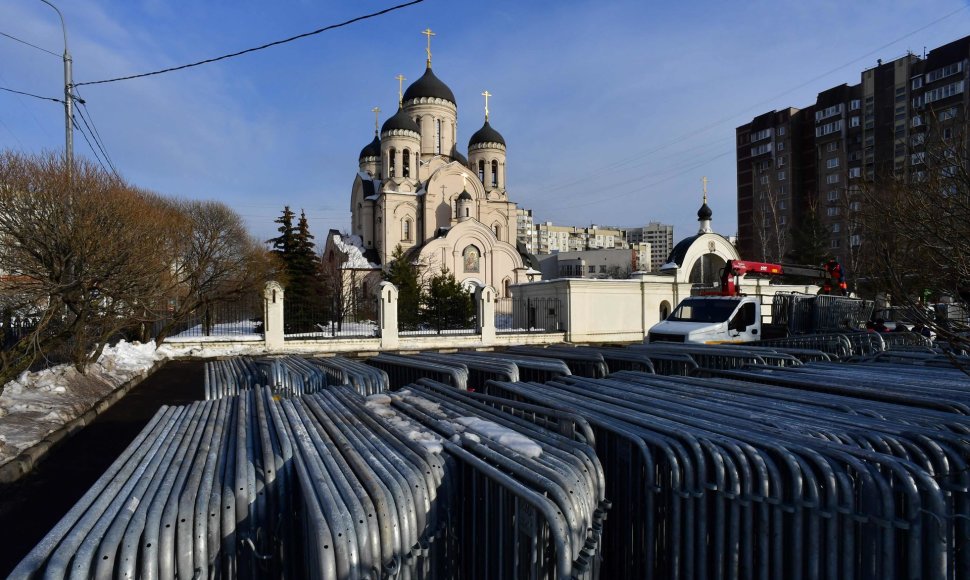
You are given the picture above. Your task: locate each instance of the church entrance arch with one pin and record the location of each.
(706, 269)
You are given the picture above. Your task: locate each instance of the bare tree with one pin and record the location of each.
(917, 229)
(77, 251)
(771, 233)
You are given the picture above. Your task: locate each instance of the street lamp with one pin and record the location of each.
(68, 99)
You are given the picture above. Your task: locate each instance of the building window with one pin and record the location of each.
(917, 82)
(944, 72)
(781, 220)
(481, 171)
(406, 229)
(494, 173)
(437, 136)
(406, 163)
(833, 146)
(855, 104)
(781, 145)
(832, 163)
(855, 206)
(466, 212)
(834, 178)
(781, 176)
(943, 92)
(855, 240)
(391, 160)
(833, 211)
(497, 230)
(764, 180)
(836, 228)
(828, 128)
(948, 114)
(833, 195)
(854, 121)
(855, 172)
(762, 134)
(834, 244)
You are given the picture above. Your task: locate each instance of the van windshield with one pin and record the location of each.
(704, 310)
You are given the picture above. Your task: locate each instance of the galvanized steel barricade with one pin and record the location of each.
(718, 356)
(836, 345)
(531, 368)
(580, 362)
(404, 370)
(721, 482)
(479, 370)
(290, 376)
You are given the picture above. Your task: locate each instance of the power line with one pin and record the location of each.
(61, 101)
(29, 44)
(91, 147)
(257, 48)
(98, 143)
(94, 132)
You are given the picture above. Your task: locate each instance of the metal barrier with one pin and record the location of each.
(333, 485)
(364, 379)
(531, 368)
(836, 345)
(479, 370)
(580, 362)
(404, 370)
(725, 479)
(718, 356)
(622, 359)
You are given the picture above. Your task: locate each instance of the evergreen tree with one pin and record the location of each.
(446, 305)
(303, 308)
(404, 275)
(283, 244)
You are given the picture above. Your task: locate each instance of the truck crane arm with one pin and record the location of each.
(734, 269)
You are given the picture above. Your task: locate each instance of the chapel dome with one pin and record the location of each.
(400, 121)
(429, 86)
(465, 196)
(372, 149)
(486, 135)
(704, 213)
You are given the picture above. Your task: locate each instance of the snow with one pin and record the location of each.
(353, 248)
(36, 404)
(380, 405)
(241, 330)
(512, 439)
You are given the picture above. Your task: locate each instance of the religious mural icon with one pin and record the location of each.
(471, 256)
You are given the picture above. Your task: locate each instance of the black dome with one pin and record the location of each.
(400, 121)
(704, 213)
(429, 86)
(373, 149)
(486, 135)
(464, 195)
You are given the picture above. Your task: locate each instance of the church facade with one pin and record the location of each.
(415, 189)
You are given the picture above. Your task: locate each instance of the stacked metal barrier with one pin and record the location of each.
(725, 479)
(479, 370)
(719, 356)
(199, 493)
(427, 482)
(584, 363)
(290, 376)
(404, 370)
(531, 368)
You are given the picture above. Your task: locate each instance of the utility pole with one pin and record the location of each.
(68, 97)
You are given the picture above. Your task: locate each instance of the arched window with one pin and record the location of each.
(664, 310)
(481, 171)
(437, 136)
(494, 173)
(466, 212)
(391, 157)
(497, 230)
(406, 163)
(506, 288)
(406, 229)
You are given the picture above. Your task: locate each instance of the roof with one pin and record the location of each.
(400, 121)
(464, 195)
(486, 135)
(704, 213)
(372, 149)
(429, 86)
(680, 250)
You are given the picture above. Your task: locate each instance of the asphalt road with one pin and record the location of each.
(31, 506)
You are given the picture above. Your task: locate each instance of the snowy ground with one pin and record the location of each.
(242, 330)
(37, 404)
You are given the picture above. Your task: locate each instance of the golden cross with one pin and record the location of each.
(377, 118)
(704, 180)
(427, 32)
(400, 89)
(486, 94)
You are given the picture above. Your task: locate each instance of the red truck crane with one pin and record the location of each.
(832, 275)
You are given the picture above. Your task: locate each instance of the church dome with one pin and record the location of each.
(457, 156)
(465, 196)
(705, 212)
(486, 135)
(400, 121)
(372, 149)
(429, 86)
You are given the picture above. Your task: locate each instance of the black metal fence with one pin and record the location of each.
(14, 329)
(305, 319)
(528, 315)
(239, 319)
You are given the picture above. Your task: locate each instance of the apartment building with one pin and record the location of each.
(659, 236)
(802, 164)
(525, 230)
(552, 238)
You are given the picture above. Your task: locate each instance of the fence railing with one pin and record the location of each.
(306, 319)
(528, 315)
(239, 319)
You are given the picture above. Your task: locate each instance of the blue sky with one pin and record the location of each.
(612, 111)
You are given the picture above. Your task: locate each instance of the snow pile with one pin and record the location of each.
(512, 439)
(353, 248)
(380, 404)
(36, 404)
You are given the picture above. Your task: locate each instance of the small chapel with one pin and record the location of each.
(415, 188)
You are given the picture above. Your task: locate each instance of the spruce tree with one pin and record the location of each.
(446, 305)
(404, 275)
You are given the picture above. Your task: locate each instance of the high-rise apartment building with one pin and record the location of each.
(659, 236)
(801, 171)
(555, 238)
(525, 230)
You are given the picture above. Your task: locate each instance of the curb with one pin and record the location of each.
(25, 462)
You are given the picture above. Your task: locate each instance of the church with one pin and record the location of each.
(415, 188)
